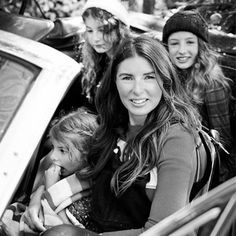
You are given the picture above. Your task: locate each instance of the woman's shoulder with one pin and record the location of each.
(180, 134)
(179, 144)
(178, 128)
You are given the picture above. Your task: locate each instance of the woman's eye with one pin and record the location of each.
(126, 78)
(89, 31)
(150, 77)
(173, 44)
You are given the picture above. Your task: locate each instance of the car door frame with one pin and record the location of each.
(58, 71)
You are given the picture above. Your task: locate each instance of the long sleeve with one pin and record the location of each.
(218, 111)
(176, 173)
(217, 105)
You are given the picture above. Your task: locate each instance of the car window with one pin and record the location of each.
(15, 80)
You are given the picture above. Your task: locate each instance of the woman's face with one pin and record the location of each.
(60, 156)
(183, 49)
(138, 88)
(95, 35)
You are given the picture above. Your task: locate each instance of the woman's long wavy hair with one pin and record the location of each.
(205, 74)
(142, 151)
(94, 62)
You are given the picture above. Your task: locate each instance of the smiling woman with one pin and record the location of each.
(144, 155)
(138, 88)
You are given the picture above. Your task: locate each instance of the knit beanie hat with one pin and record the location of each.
(115, 7)
(190, 21)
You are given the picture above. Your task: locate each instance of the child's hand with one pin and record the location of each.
(9, 226)
(33, 216)
(52, 175)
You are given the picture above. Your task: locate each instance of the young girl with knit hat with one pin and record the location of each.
(186, 37)
(107, 23)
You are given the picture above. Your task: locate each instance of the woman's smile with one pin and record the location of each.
(139, 102)
(138, 88)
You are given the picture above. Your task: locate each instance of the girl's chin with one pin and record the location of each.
(100, 50)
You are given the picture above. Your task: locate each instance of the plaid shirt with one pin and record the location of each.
(217, 109)
(217, 103)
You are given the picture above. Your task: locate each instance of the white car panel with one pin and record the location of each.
(27, 127)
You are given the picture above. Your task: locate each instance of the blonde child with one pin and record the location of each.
(65, 197)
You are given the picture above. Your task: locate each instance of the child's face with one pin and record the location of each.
(60, 156)
(183, 48)
(95, 36)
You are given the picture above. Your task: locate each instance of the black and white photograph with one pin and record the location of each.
(152, 154)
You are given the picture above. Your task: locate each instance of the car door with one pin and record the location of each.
(34, 78)
(211, 214)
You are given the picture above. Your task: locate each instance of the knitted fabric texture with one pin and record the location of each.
(190, 21)
(115, 7)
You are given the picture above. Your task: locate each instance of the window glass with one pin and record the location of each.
(15, 79)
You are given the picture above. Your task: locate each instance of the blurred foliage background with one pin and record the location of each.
(52, 9)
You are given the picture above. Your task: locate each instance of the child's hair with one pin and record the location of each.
(206, 73)
(94, 62)
(74, 130)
